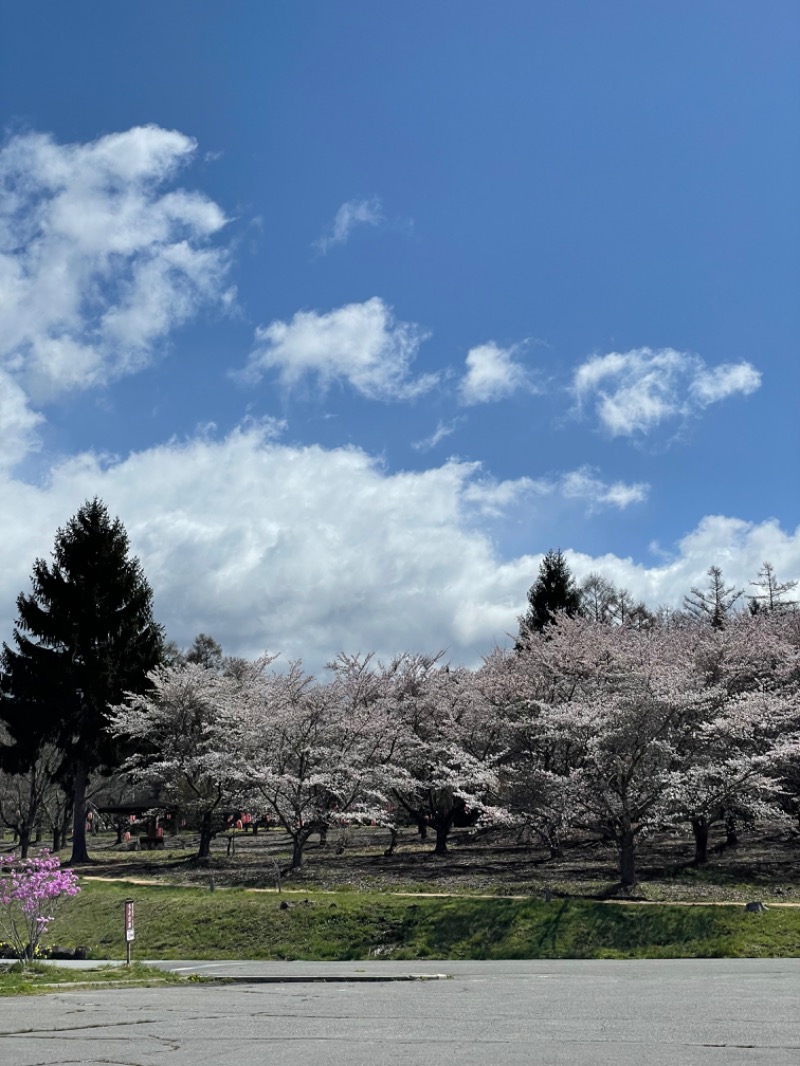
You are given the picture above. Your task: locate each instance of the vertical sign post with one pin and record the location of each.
(130, 932)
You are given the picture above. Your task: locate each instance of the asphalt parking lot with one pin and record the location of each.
(681, 1013)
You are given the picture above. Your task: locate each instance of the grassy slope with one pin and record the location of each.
(197, 923)
(40, 978)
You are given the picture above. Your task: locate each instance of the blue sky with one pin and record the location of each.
(351, 311)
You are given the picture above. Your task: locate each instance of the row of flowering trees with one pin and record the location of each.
(611, 730)
(621, 732)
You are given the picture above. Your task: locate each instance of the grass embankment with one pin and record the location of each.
(191, 923)
(40, 977)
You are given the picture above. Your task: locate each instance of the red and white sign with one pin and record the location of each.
(130, 933)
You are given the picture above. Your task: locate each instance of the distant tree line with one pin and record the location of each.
(605, 718)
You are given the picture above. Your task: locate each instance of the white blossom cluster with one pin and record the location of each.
(614, 730)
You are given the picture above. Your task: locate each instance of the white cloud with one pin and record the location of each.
(492, 375)
(725, 380)
(17, 423)
(737, 546)
(97, 262)
(298, 549)
(442, 432)
(492, 497)
(310, 551)
(633, 392)
(362, 344)
(583, 484)
(351, 214)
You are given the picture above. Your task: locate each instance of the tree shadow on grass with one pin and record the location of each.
(633, 930)
(566, 929)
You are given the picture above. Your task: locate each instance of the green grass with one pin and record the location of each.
(189, 923)
(39, 978)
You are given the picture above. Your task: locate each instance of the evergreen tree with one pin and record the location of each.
(715, 603)
(84, 637)
(554, 590)
(770, 598)
(205, 651)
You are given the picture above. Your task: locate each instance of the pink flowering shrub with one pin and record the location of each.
(30, 890)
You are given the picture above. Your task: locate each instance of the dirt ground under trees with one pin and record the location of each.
(764, 865)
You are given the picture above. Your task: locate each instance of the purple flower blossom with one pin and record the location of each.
(30, 890)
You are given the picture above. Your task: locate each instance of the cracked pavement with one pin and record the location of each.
(667, 1013)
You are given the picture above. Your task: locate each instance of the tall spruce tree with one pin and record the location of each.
(554, 590)
(84, 637)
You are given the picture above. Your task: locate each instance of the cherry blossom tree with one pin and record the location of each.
(624, 697)
(536, 764)
(447, 748)
(313, 752)
(617, 730)
(188, 735)
(749, 671)
(624, 731)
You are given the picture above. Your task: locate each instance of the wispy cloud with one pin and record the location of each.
(494, 497)
(492, 374)
(442, 432)
(362, 344)
(633, 392)
(351, 214)
(723, 381)
(583, 484)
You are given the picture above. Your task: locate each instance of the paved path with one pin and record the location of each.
(670, 1013)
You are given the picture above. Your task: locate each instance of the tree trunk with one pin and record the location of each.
(627, 859)
(206, 835)
(731, 836)
(60, 830)
(700, 830)
(443, 827)
(554, 844)
(417, 816)
(298, 844)
(80, 853)
(392, 842)
(24, 834)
